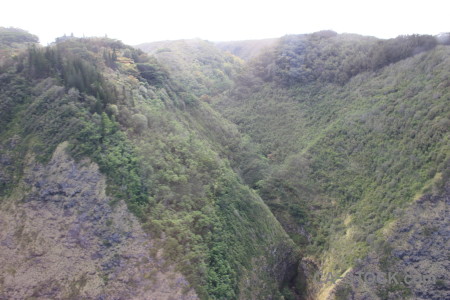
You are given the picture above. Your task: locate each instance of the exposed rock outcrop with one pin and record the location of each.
(62, 238)
(414, 261)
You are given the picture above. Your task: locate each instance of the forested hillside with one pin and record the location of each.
(119, 108)
(235, 170)
(197, 65)
(247, 49)
(352, 130)
(355, 129)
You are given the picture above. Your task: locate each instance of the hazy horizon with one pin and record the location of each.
(134, 23)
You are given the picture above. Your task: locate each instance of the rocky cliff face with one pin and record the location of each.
(61, 237)
(414, 261)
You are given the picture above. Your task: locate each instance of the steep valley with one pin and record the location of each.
(273, 169)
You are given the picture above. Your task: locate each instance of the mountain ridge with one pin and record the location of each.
(247, 175)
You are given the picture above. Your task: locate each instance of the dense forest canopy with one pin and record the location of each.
(119, 107)
(354, 129)
(246, 173)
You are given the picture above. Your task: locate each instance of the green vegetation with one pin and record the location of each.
(336, 133)
(118, 106)
(246, 49)
(15, 38)
(12, 39)
(197, 66)
(351, 137)
(326, 56)
(343, 292)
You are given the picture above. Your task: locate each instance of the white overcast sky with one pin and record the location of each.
(135, 22)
